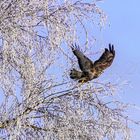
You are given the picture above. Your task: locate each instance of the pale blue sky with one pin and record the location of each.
(124, 32)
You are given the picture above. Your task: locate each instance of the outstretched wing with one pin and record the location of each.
(84, 62)
(106, 59)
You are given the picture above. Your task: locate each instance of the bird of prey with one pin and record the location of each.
(89, 69)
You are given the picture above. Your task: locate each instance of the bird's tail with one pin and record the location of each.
(74, 74)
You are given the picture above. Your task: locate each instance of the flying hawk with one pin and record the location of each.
(91, 70)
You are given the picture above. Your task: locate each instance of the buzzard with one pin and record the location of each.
(89, 69)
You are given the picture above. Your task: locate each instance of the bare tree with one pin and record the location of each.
(38, 100)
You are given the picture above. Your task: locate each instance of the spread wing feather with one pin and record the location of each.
(84, 62)
(106, 59)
